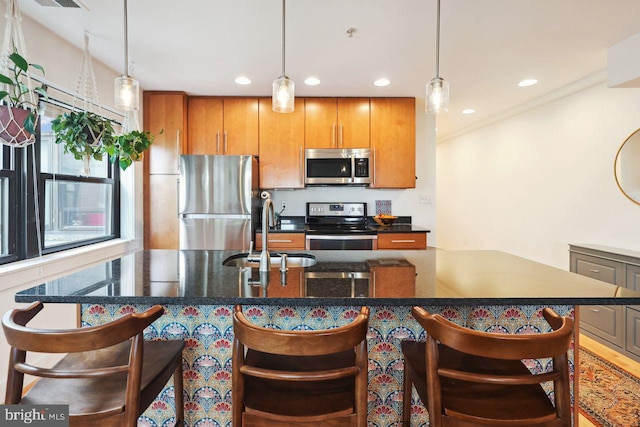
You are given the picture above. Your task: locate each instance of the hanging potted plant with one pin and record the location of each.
(83, 134)
(128, 147)
(18, 109)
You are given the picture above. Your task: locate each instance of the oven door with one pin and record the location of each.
(342, 242)
(332, 284)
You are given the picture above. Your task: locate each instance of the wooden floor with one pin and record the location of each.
(613, 357)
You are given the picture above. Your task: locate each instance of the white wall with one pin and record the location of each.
(403, 202)
(533, 183)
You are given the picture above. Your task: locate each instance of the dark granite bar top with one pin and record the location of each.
(391, 278)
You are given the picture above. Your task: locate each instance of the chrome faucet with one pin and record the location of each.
(267, 220)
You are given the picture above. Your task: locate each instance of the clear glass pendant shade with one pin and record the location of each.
(127, 93)
(437, 96)
(283, 95)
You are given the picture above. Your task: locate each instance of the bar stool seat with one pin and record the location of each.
(109, 376)
(470, 378)
(300, 378)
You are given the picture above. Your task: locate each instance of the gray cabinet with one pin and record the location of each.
(613, 325)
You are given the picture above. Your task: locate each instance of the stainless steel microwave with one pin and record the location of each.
(337, 166)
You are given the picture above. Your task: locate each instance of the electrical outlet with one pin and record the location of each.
(424, 199)
(283, 205)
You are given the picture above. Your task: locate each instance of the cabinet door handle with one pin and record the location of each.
(178, 149)
(341, 135)
(593, 270)
(595, 310)
(403, 241)
(225, 143)
(280, 241)
(217, 142)
(373, 169)
(302, 165)
(333, 135)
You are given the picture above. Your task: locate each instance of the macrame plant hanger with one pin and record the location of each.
(12, 130)
(90, 100)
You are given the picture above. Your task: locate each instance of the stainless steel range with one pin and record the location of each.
(339, 226)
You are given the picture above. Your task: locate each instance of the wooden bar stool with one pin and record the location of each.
(469, 378)
(299, 378)
(110, 376)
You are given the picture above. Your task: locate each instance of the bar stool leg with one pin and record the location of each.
(406, 398)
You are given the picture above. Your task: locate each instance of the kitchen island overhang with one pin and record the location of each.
(484, 290)
(441, 278)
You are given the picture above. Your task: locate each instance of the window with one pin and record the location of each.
(76, 202)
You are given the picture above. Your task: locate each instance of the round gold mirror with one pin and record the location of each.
(627, 167)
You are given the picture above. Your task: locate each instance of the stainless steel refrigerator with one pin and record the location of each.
(218, 203)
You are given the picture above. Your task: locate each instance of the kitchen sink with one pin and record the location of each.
(253, 260)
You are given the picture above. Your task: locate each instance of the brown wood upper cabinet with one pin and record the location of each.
(336, 122)
(226, 126)
(281, 146)
(393, 142)
(166, 112)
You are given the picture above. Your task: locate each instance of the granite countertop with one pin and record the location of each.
(394, 278)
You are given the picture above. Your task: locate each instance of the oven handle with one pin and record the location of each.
(342, 237)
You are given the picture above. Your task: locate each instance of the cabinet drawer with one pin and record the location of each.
(281, 241)
(605, 321)
(599, 268)
(402, 240)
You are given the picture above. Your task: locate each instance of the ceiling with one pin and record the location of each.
(487, 46)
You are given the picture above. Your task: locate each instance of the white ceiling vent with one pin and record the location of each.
(61, 3)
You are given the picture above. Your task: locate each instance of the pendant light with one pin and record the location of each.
(438, 88)
(127, 88)
(283, 87)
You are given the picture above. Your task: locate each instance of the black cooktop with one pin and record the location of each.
(337, 218)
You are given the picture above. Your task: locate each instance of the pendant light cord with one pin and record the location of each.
(437, 40)
(283, 36)
(126, 42)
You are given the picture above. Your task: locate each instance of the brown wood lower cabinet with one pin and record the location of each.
(281, 241)
(402, 240)
(392, 278)
(291, 289)
(163, 227)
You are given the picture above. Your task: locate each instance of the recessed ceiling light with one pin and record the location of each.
(527, 82)
(243, 80)
(382, 82)
(468, 111)
(312, 81)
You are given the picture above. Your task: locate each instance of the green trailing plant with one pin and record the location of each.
(83, 133)
(18, 95)
(129, 147)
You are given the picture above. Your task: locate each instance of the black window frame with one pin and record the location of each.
(17, 166)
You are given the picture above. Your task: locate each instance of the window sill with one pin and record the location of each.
(31, 272)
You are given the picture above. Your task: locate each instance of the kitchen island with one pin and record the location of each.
(486, 290)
